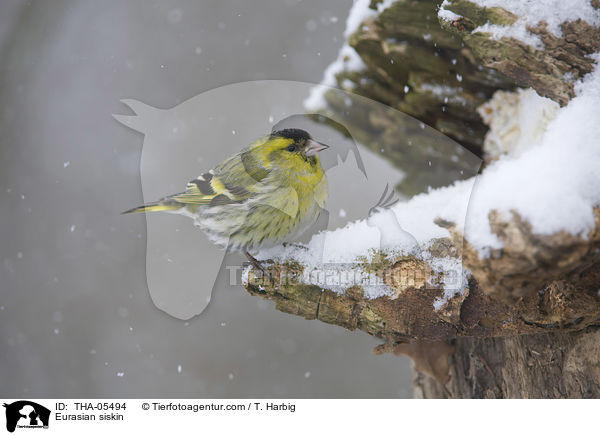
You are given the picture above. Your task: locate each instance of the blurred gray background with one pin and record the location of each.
(76, 319)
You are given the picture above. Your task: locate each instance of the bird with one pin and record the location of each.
(265, 195)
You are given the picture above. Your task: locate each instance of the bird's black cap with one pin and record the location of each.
(292, 133)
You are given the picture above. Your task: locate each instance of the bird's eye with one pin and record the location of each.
(291, 148)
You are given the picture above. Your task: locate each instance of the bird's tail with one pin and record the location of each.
(155, 206)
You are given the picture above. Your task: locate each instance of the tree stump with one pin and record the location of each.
(527, 326)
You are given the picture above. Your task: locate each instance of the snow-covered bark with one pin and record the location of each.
(545, 45)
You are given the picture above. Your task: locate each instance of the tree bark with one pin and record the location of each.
(527, 326)
(552, 365)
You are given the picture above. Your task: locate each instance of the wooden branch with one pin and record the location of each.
(410, 314)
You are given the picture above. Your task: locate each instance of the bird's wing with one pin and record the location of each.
(234, 181)
(242, 178)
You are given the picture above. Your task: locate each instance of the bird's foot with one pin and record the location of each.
(258, 265)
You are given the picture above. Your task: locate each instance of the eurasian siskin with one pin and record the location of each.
(265, 195)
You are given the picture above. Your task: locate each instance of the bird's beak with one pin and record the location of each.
(313, 147)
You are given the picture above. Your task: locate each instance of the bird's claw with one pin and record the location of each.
(257, 265)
